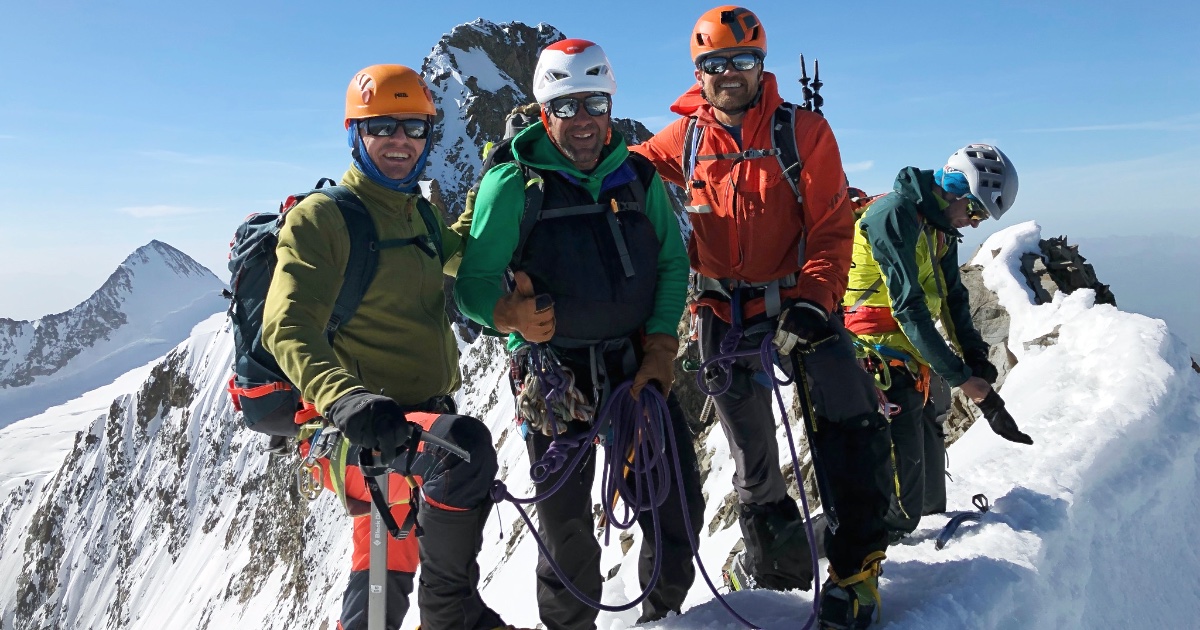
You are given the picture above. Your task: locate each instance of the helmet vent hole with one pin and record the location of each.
(558, 76)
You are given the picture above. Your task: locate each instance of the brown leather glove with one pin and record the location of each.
(518, 312)
(658, 363)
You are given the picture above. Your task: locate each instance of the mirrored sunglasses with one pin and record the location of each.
(567, 107)
(741, 62)
(975, 209)
(414, 128)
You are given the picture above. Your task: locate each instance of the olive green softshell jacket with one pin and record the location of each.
(399, 342)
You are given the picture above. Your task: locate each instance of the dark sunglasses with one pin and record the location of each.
(567, 107)
(741, 62)
(414, 128)
(975, 209)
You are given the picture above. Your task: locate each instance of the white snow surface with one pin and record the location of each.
(1090, 527)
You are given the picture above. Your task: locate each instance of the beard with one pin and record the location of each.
(731, 100)
(583, 152)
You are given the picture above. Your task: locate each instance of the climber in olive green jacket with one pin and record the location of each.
(604, 247)
(385, 378)
(399, 341)
(904, 280)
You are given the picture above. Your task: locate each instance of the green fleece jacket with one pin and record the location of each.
(893, 227)
(399, 341)
(496, 228)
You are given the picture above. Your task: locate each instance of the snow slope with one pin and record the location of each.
(161, 512)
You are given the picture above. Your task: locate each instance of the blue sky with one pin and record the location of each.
(124, 121)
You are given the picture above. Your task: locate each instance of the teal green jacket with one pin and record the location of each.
(495, 230)
(894, 226)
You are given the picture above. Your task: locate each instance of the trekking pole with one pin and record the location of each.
(812, 95)
(810, 426)
(377, 578)
(807, 91)
(817, 99)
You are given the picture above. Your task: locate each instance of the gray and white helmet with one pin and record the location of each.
(990, 174)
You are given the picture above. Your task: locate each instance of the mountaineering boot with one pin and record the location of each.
(448, 586)
(737, 576)
(777, 554)
(852, 603)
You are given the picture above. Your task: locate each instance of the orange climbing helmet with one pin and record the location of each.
(725, 28)
(386, 89)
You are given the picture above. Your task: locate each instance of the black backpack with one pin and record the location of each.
(267, 400)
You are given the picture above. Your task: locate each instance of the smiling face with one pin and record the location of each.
(396, 155)
(731, 91)
(581, 137)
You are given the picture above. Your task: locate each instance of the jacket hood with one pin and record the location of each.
(916, 186)
(533, 147)
(692, 103)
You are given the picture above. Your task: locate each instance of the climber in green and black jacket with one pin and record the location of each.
(606, 248)
(904, 280)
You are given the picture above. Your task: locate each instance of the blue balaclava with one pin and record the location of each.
(953, 182)
(364, 163)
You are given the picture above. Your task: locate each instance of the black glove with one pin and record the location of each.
(372, 421)
(998, 417)
(801, 326)
(981, 366)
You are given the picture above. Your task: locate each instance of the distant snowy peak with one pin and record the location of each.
(158, 256)
(150, 285)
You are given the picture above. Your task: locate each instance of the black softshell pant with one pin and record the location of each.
(567, 526)
(851, 445)
(452, 514)
(919, 444)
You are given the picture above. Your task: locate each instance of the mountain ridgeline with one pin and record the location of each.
(161, 511)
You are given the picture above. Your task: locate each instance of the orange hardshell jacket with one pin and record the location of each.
(756, 228)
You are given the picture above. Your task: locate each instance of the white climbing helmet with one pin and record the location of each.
(571, 66)
(989, 173)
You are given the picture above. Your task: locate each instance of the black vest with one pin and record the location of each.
(599, 264)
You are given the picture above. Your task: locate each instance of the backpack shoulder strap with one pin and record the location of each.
(645, 171)
(783, 138)
(432, 226)
(535, 194)
(363, 259)
(691, 144)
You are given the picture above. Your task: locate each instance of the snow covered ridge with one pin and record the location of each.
(146, 306)
(145, 506)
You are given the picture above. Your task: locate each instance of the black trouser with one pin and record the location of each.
(919, 446)
(452, 514)
(566, 525)
(354, 601)
(851, 445)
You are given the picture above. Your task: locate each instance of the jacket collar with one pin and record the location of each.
(916, 186)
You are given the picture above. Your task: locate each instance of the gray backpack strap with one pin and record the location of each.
(783, 143)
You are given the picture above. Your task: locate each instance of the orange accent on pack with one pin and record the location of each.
(306, 412)
(871, 320)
